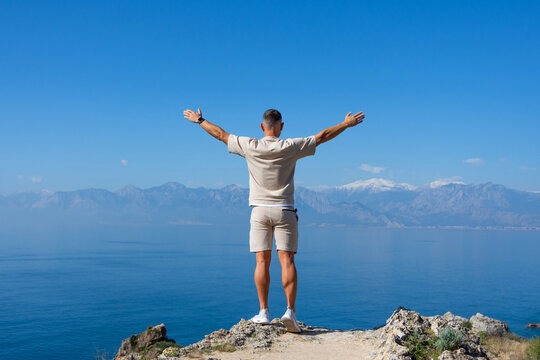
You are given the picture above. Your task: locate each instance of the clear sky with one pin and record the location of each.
(92, 93)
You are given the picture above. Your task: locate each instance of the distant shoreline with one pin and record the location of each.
(433, 227)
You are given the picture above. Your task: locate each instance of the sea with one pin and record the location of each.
(76, 291)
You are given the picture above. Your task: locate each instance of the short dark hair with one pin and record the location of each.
(271, 117)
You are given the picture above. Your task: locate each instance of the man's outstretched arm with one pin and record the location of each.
(332, 132)
(210, 128)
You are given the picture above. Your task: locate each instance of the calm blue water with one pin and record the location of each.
(67, 293)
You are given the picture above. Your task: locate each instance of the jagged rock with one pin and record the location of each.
(245, 333)
(145, 342)
(404, 322)
(491, 326)
(471, 345)
(458, 355)
(455, 322)
(170, 352)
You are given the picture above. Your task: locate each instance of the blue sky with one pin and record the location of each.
(92, 93)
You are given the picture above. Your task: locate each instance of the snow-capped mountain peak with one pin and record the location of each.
(376, 184)
(445, 181)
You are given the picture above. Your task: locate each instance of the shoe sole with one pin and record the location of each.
(260, 323)
(291, 325)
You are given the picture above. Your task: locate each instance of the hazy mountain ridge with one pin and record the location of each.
(452, 204)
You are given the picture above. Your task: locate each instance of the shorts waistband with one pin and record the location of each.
(287, 206)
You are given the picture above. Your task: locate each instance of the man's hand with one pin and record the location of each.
(210, 128)
(354, 120)
(192, 115)
(332, 132)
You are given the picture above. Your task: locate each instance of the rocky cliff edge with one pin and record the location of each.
(406, 335)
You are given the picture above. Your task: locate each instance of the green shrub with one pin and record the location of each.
(467, 324)
(421, 345)
(483, 337)
(533, 351)
(173, 351)
(165, 344)
(156, 348)
(449, 339)
(224, 347)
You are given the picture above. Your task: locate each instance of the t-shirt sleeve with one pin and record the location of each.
(305, 146)
(238, 145)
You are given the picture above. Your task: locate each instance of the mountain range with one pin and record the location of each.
(372, 202)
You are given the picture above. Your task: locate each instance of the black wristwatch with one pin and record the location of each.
(200, 120)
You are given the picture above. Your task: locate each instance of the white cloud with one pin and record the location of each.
(474, 161)
(445, 181)
(124, 162)
(526, 168)
(20, 177)
(36, 179)
(372, 169)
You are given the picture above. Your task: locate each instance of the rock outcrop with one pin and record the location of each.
(406, 335)
(489, 325)
(148, 344)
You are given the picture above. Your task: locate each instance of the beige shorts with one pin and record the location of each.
(280, 222)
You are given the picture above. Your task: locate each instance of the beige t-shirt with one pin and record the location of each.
(271, 162)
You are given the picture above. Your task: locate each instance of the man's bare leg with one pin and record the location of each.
(262, 276)
(288, 276)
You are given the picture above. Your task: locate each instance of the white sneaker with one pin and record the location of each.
(289, 320)
(263, 317)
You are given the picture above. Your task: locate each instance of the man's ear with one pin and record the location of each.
(282, 125)
(262, 127)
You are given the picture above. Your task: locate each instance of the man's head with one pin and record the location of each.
(272, 124)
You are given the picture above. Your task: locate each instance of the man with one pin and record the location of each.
(271, 163)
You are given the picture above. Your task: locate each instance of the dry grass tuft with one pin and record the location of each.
(508, 347)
